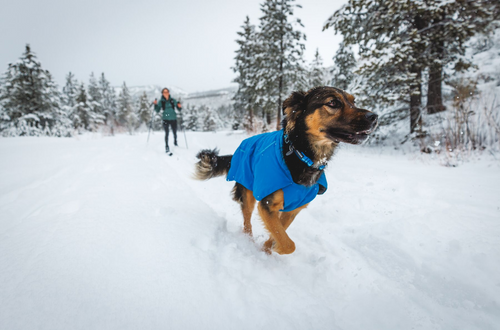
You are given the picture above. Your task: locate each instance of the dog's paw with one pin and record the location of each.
(268, 246)
(247, 230)
(286, 248)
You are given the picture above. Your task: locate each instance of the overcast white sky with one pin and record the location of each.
(189, 44)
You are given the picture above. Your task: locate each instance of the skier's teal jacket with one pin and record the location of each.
(169, 112)
(259, 166)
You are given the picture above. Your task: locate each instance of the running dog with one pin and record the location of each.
(284, 170)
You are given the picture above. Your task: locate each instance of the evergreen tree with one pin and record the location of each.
(95, 96)
(61, 125)
(144, 110)
(70, 92)
(225, 114)
(191, 118)
(399, 40)
(108, 102)
(315, 73)
(29, 97)
(450, 25)
(345, 64)
(391, 57)
(237, 120)
(281, 58)
(209, 119)
(81, 113)
(126, 114)
(245, 99)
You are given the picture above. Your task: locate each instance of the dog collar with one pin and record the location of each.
(301, 156)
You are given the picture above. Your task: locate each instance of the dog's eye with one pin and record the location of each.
(334, 104)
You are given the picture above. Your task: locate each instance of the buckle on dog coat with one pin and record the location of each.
(301, 156)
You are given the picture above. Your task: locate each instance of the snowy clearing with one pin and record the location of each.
(110, 233)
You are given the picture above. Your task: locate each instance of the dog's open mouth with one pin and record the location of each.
(348, 137)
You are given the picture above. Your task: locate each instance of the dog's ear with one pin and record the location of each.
(293, 107)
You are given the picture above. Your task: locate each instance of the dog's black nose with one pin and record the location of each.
(371, 116)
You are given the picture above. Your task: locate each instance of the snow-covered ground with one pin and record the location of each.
(111, 233)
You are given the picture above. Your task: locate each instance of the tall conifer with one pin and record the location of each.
(281, 58)
(246, 97)
(126, 114)
(95, 96)
(401, 40)
(29, 97)
(81, 113)
(108, 102)
(70, 91)
(144, 109)
(315, 72)
(344, 66)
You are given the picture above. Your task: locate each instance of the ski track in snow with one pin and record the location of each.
(111, 233)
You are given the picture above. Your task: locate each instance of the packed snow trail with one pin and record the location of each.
(111, 233)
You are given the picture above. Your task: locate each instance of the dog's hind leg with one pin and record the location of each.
(269, 211)
(286, 220)
(245, 197)
(247, 210)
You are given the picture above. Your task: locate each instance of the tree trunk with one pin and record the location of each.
(282, 54)
(278, 117)
(416, 84)
(250, 118)
(416, 101)
(434, 91)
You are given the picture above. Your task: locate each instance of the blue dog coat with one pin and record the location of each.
(259, 166)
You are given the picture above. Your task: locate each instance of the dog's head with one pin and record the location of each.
(328, 114)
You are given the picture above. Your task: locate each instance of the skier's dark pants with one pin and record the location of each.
(173, 124)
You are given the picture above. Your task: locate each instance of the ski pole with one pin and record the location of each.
(151, 123)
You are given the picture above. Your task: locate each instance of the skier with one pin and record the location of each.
(168, 105)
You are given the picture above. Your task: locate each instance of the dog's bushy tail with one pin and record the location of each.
(211, 164)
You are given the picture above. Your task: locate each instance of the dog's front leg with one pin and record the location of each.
(269, 212)
(286, 220)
